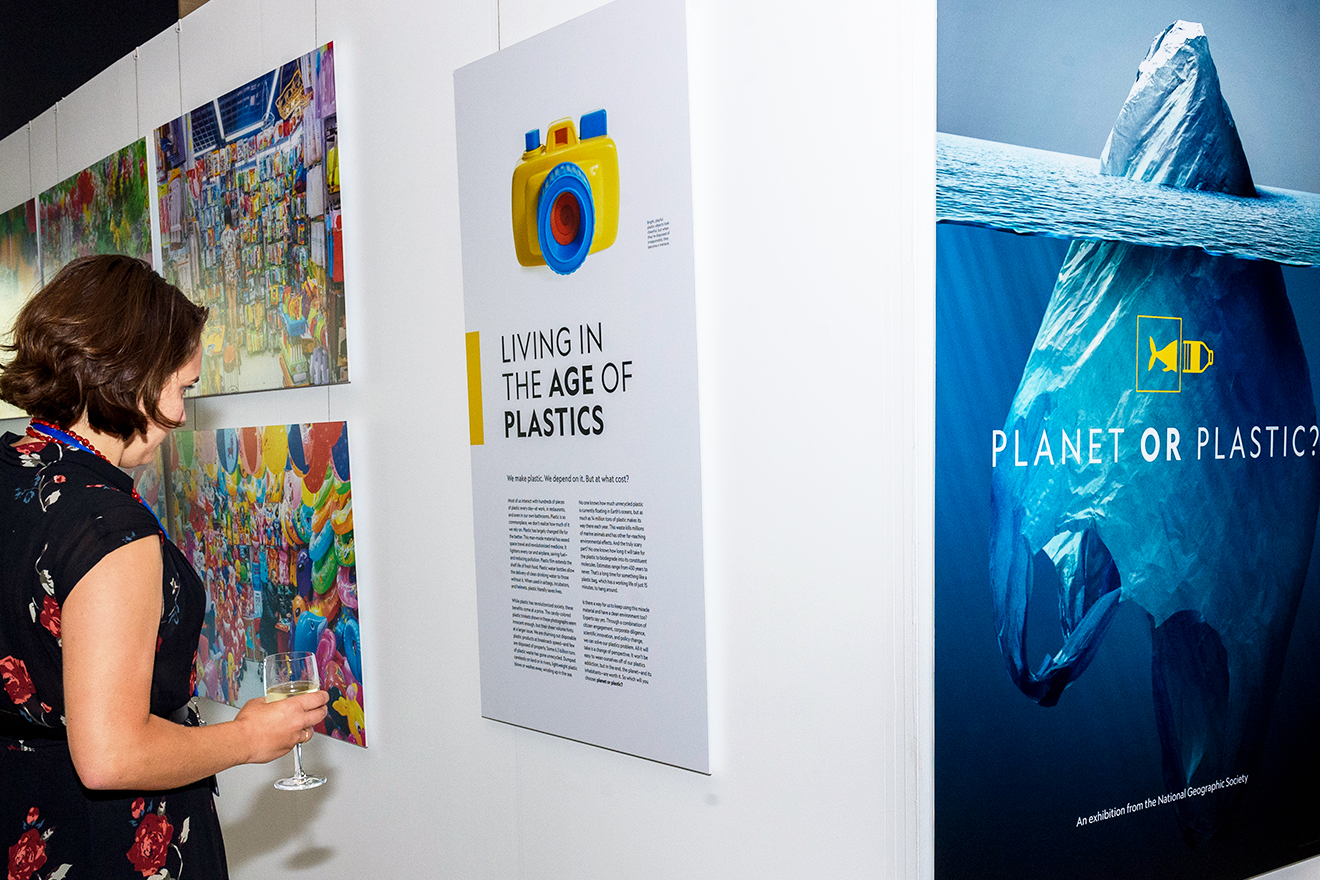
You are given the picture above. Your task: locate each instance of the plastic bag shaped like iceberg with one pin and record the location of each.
(1211, 536)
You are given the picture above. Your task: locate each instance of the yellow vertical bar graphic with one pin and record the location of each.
(475, 429)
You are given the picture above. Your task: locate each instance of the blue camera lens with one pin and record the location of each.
(565, 218)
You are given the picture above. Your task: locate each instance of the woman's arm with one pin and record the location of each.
(108, 625)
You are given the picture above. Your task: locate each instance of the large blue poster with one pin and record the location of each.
(1127, 477)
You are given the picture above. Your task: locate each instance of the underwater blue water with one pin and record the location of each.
(1012, 777)
(1037, 192)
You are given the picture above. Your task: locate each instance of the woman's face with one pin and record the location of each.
(140, 449)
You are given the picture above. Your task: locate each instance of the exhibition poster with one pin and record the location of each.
(251, 227)
(1127, 481)
(103, 209)
(20, 271)
(265, 514)
(575, 197)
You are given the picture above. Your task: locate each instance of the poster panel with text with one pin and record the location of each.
(1127, 474)
(576, 204)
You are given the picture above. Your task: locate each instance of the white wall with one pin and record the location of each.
(812, 149)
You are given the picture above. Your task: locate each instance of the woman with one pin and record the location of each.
(102, 765)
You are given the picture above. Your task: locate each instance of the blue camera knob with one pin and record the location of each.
(593, 125)
(565, 218)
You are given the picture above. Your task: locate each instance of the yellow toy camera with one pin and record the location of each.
(566, 195)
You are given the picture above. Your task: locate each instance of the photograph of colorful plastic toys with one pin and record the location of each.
(20, 270)
(249, 197)
(102, 209)
(267, 515)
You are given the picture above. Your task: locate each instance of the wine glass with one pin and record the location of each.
(287, 674)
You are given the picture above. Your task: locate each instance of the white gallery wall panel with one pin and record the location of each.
(99, 118)
(215, 56)
(520, 19)
(158, 93)
(287, 28)
(265, 408)
(44, 152)
(15, 178)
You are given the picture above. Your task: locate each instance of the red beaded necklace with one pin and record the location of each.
(62, 436)
(42, 430)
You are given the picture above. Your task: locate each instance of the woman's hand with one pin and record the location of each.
(274, 729)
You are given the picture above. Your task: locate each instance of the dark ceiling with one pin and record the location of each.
(48, 48)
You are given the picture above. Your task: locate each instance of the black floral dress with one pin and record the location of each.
(61, 511)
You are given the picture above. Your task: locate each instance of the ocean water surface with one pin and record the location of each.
(1037, 192)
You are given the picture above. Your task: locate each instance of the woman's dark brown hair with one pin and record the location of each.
(102, 338)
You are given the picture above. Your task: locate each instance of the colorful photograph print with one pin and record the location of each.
(265, 515)
(20, 272)
(103, 209)
(250, 226)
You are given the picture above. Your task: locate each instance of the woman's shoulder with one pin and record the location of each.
(69, 527)
(71, 492)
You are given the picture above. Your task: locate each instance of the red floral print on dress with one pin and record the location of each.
(28, 855)
(151, 844)
(29, 452)
(18, 684)
(50, 615)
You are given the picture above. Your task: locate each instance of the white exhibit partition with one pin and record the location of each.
(812, 131)
(15, 165)
(43, 152)
(90, 124)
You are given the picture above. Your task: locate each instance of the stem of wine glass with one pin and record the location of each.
(297, 763)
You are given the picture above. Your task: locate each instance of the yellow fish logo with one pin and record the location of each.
(1168, 355)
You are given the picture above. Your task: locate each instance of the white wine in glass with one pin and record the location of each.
(287, 674)
(288, 689)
